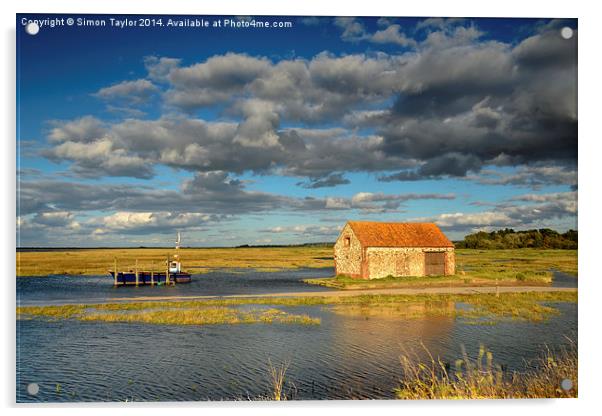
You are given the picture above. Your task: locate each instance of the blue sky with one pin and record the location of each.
(280, 135)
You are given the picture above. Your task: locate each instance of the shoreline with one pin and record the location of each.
(469, 290)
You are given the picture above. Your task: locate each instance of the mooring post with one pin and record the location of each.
(167, 272)
(115, 270)
(152, 273)
(136, 272)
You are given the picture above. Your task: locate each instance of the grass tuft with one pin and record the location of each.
(481, 378)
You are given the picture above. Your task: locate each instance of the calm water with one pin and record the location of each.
(343, 357)
(63, 289)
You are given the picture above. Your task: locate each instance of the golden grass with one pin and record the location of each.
(473, 267)
(528, 306)
(482, 379)
(516, 267)
(194, 315)
(277, 377)
(99, 261)
(203, 316)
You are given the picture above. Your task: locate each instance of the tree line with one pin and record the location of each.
(508, 238)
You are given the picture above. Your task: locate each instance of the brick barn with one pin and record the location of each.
(373, 250)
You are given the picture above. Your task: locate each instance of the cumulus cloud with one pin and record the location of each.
(329, 181)
(306, 230)
(208, 192)
(56, 219)
(449, 102)
(459, 103)
(100, 157)
(352, 29)
(523, 211)
(150, 222)
(214, 80)
(392, 34)
(534, 177)
(158, 68)
(83, 129)
(133, 92)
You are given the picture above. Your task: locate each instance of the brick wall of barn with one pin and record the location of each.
(348, 258)
(402, 261)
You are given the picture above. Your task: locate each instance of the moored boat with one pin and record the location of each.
(171, 275)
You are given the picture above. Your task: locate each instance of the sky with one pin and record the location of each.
(279, 135)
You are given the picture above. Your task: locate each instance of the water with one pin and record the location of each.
(346, 356)
(64, 289)
(343, 357)
(560, 279)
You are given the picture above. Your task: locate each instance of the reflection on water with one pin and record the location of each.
(353, 353)
(81, 289)
(347, 356)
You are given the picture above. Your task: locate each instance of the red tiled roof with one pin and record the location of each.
(399, 234)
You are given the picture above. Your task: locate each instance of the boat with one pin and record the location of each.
(171, 275)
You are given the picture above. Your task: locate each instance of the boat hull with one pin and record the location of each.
(148, 278)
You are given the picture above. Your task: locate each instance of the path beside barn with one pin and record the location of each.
(468, 290)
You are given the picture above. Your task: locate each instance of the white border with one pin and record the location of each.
(589, 191)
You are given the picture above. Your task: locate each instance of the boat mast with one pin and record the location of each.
(176, 256)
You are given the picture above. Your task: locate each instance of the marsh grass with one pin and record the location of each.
(277, 378)
(481, 378)
(197, 260)
(482, 308)
(514, 267)
(200, 315)
(533, 264)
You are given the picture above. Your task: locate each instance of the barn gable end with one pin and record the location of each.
(348, 253)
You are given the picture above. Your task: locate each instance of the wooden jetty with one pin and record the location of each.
(171, 275)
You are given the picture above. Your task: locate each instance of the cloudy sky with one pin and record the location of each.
(279, 136)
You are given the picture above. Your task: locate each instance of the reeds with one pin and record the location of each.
(277, 378)
(481, 378)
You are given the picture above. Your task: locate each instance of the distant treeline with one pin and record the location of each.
(508, 238)
(319, 244)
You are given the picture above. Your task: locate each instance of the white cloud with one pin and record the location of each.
(392, 34)
(133, 92)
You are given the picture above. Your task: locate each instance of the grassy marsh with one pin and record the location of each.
(197, 260)
(516, 267)
(528, 306)
(173, 315)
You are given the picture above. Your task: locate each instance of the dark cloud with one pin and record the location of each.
(455, 104)
(326, 182)
(534, 177)
(207, 193)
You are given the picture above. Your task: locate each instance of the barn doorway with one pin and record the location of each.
(434, 264)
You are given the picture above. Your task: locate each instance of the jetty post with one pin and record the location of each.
(136, 272)
(152, 273)
(115, 269)
(167, 272)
